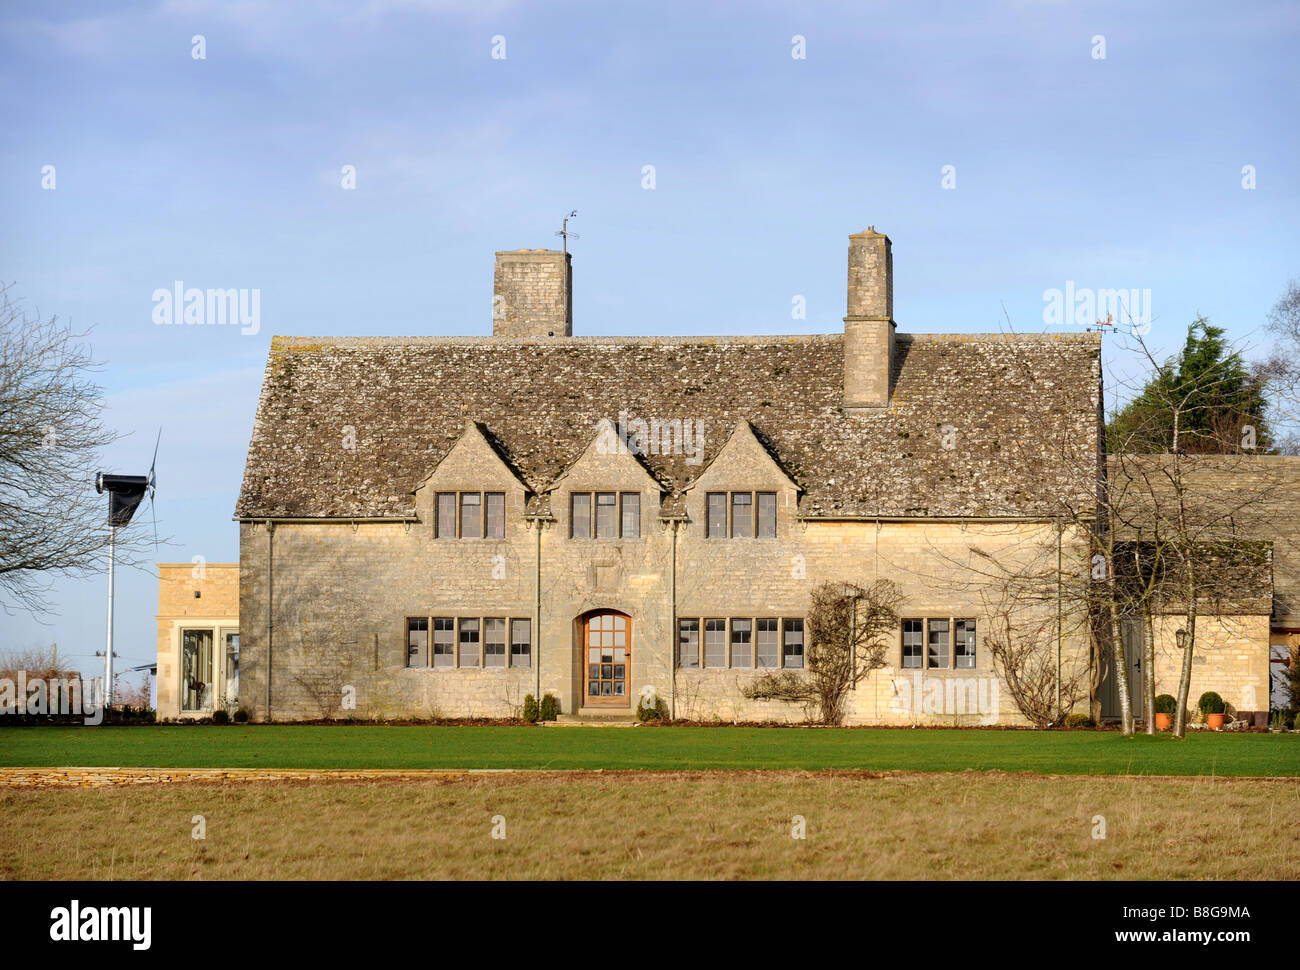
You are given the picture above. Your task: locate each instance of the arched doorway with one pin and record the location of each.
(607, 658)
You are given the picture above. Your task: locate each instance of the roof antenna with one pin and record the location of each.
(564, 232)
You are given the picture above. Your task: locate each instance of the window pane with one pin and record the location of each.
(716, 524)
(938, 643)
(912, 643)
(766, 643)
(631, 515)
(964, 650)
(766, 515)
(715, 643)
(446, 521)
(521, 643)
(792, 646)
(196, 670)
(494, 642)
(688, 643)
(606, 515)
(471, 515)
(742, 649)
(444, 644)
(580, 515)
(742, 515)
(496, 514)
(469, 645)
(417, 642)
(232, 668)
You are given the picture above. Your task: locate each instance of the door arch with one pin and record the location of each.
(606, 658)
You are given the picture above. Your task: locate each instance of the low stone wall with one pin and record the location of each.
(113, 777)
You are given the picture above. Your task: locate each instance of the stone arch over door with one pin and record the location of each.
(605, 642)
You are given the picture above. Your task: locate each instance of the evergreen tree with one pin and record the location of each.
(1218, 405)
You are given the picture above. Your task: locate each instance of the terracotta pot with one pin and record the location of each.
(1215, 721)
(1164, 722)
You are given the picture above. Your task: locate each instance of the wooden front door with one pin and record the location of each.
(607, 649)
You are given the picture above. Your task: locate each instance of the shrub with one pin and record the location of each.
(550, 707)
(220, 717)
(241, 716)
(1210, 703)
(531, 710)
(655, 711)
(1079, 720)
(1166, 704)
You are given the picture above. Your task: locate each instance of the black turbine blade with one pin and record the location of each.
(153, 479)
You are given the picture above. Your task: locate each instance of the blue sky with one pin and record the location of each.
(226, 172)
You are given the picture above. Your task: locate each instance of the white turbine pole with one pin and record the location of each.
(108, 651)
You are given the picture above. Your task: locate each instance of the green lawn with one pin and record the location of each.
(374, 746)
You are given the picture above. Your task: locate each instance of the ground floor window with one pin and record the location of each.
(196, 670)
(938, 643)
(232, 667)
(742, 642)
(469, 641)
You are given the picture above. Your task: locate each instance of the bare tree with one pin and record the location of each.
(847, 638)
(51, 520)
(1280, 371)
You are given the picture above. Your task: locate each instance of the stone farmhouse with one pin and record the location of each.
(439, 526)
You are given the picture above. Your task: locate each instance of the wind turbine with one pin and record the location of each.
(125, 493)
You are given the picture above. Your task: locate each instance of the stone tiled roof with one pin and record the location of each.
(1251, 497)
(407, 399)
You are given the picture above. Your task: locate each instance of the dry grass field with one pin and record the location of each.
(655, 825)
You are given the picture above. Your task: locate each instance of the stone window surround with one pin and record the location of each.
(458, 531)
(700, 645)
(952, 621)
(509, 664)
(728, 527)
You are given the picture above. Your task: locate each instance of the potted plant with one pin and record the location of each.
(1212, 706)
(1166, 707)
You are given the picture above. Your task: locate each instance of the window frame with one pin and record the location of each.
(504, 643)
(487, 515)
(747, 519)
(787, 623)
(723, 530)
(970, 626)
(478, 640)
(427, 642)
(705, 631)
(774, 623)
(682, 628)
(439, 532)
(460, 504)
(622, 514)
(758, 515)
(919, 645)
(433, 643)
(731, 642)
(514, 642)
(930, 622)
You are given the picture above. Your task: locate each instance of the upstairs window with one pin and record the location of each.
(766, 515)
(605, 515)
(631, 515)
(471, 515)
(494, 508)
(446, 518)
(481, 515)
(742, 515)
(716, 516)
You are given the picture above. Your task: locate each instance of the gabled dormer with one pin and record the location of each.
(473, 492)
(607, 492)
(743, 493)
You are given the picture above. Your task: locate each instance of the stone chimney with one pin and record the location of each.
(532, 294)
(869, 325)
